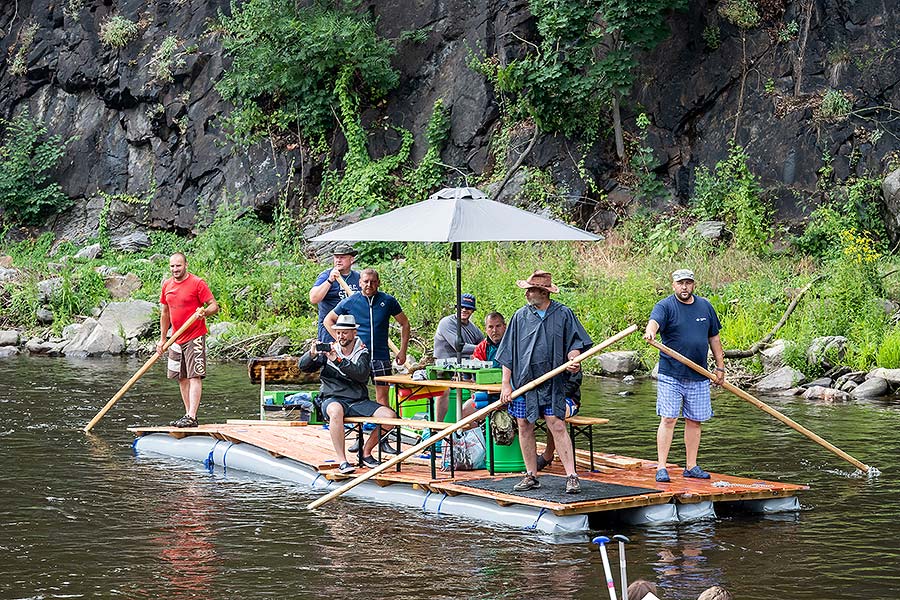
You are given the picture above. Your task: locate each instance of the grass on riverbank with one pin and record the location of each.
(262, 285)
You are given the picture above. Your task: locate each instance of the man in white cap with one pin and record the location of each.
(689, 325)
(344, 390)
(327, 291)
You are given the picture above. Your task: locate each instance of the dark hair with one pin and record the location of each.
(494, 315)
(640, 588)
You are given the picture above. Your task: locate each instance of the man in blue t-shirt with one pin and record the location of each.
(327, 291)
(689, 325)
(373, 311)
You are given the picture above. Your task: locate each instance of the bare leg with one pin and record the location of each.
(336, 430)
(527, 444)
(441, 403)
(692, 431)
(563, 442)
(185, 386)
(383, 412)
(195, 391)
(664, 440)
(382, 395)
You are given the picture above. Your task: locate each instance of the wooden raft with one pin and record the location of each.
(311, 445)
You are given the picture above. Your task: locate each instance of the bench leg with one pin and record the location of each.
(431, 454)
(590, 433)
(359, 450)
(490, 447)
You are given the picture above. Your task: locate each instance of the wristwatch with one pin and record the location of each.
(720, 369)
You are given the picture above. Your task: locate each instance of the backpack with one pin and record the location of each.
(503, 428)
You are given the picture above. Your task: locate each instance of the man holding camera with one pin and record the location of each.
(345, 367)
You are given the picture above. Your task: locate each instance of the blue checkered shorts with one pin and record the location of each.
(517, 409)
(688, 396)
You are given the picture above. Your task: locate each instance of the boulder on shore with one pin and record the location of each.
(132, 318)
(9, 337)
(782, 379)
(819, 392)
(620, 362)
(93, 339)
(873, 387)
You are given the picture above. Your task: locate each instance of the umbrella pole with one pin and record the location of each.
(456, 253)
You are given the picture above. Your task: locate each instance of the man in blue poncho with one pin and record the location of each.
(542, 335)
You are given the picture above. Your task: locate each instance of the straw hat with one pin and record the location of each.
(539, 279)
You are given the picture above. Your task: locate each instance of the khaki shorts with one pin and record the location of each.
(187, 360)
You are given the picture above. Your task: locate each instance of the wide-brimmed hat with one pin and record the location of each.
(539, 279)
(682, 274)
(344, 249)
(467, 301)
(345, 322)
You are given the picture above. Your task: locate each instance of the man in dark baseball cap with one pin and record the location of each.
(335, 284)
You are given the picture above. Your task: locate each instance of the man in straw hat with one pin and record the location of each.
(541, 335)
(327, 292)
(689, 325)
(344, 391)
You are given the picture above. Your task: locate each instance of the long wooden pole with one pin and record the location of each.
(480, 414)
(141, 372)
(408, 364)
(762, 406)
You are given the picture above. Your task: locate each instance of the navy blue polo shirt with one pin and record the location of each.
(373, 315)
(686, 328)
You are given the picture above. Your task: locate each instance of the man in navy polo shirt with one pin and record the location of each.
(373, 311)
(327, 292)
(689, 325)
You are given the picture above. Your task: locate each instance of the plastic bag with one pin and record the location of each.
(469, 450)
(503, 428)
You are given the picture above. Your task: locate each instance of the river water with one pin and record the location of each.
(81, 516)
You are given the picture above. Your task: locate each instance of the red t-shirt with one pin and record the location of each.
(183, 299)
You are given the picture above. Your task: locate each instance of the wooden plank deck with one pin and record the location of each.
(311, 445)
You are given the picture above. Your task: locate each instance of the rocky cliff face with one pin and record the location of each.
(155, 149)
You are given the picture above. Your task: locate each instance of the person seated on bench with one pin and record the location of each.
(573, 404)
(494, 327)
(343, 391)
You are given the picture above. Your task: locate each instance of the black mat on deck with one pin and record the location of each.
(553, 489)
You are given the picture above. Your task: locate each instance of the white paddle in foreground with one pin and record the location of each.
(480, 414)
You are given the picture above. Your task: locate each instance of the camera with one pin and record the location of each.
(323, 347)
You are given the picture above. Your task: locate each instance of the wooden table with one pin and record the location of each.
(422, 388)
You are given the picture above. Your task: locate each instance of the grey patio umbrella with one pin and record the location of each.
(457, 215)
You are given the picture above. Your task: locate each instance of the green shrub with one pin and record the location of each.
(712, 36)
(18, 66)
(742, 13)
(889, 351)
(835, 106)
(165, 59)
(27, 195)
(116, 31)
(732, 194)
(286, 62)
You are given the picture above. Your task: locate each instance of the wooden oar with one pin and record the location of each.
(476, 416)
(763, 406)
(141, 371)
(408, 364)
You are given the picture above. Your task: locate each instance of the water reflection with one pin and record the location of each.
(82, 517)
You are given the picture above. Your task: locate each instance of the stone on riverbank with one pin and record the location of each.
(620, 362)
(48, 287)
(9, 337)
(8, 274)
(819, 392)
(889, 375)
(89, 252)
(772, 358)
(6, 351)
(44, 316)
(280, 346)
(122, 286)
(132, 318)
(782, 379)
(874, 387)
(827, 351)
(93, 339)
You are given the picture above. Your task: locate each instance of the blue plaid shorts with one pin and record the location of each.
(517, 409)
(688, 396)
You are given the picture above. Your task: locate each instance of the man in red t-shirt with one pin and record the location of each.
(184, 294)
